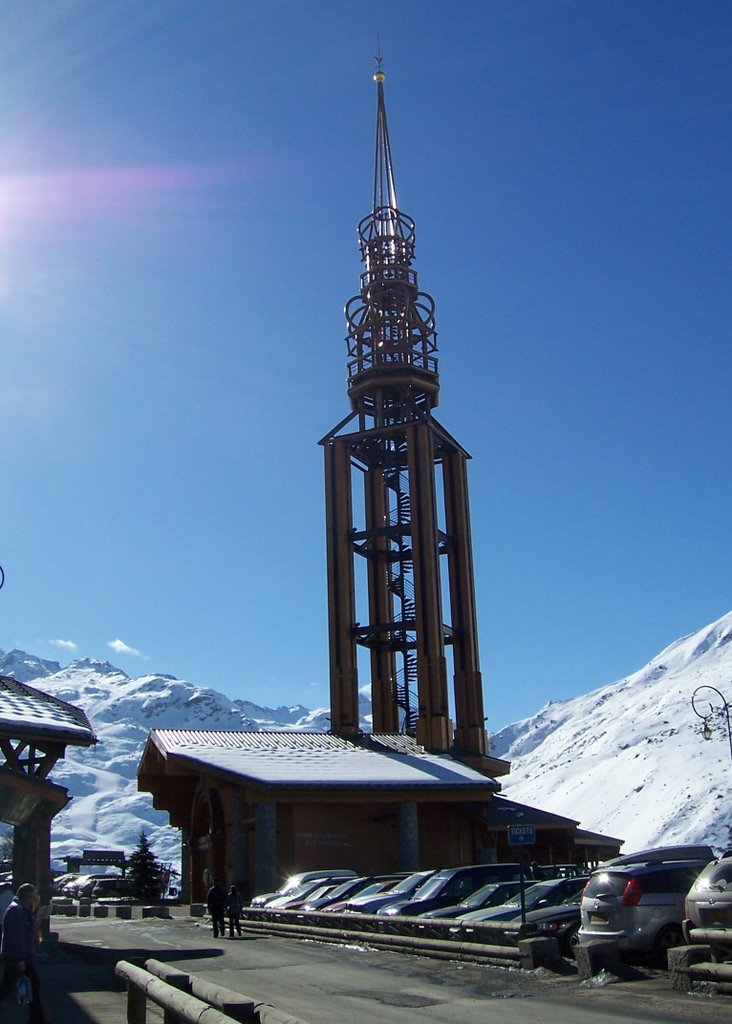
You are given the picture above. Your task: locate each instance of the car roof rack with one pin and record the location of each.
(659, 854)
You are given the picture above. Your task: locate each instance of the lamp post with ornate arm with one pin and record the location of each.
(713, 707)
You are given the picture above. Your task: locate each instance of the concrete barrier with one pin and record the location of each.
(141, 986)
(124, 911)
(156, 912)
(680, 961)
(235, 1005)
(64, 910)
(197, 909)
(187, 998)
(100, 911)
(84, 910)
(598, 955)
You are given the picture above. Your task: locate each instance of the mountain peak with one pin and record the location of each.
(104, 668)
(25, 667)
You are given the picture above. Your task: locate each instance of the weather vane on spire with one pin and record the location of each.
(379, 75)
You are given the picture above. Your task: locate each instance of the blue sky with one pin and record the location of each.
(179, 189)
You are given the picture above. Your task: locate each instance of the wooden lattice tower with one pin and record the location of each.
(414, 529)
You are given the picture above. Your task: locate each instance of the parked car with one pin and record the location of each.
(111, 887)
(372, 890)
(559, 871)
(297, 896)
(539, 895)
(709, 900)
(448, 887)
(638, 899)
(81, 887)
(489, 896)
(340, 893)
(561, 922)
(370, 903)
(294, 881)
(61, 881)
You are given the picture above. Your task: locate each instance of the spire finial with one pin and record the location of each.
(379, 75)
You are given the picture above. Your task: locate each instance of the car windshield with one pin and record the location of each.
(346, 887)
(304, 889)
(433, 885)
(372, 889)
(532, 895)
(476, 898)
(320, 892)
(414, 882)
(574, 898)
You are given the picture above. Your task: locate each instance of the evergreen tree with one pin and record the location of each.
(145, 871)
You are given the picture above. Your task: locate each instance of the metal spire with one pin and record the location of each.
(384, 187)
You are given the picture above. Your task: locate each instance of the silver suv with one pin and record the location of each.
(709, 902)
(638, 899)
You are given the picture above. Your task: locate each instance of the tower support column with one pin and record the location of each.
(469, 718)
(383, 669)
(341, 589)
(434, 729)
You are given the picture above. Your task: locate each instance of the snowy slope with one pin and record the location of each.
(628, 759)
(106, 810)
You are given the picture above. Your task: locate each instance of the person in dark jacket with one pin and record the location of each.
(216, 903)
(234, 907)
(17, 950)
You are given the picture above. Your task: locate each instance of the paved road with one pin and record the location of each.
(326, 984)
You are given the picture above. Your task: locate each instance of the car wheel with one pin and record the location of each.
(571, 941)
(666, 939)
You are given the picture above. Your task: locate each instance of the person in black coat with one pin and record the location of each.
(216, 899)
(17, 950)
(234, 907)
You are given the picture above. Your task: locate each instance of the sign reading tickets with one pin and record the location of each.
(521, 835)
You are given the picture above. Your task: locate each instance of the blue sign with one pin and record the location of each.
(521, 835)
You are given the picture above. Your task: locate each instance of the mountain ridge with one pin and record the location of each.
(626, 759)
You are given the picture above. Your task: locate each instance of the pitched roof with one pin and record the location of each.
(25, 709)
(322, 760)
(504, 812)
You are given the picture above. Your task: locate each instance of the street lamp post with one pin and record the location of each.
(706, 715)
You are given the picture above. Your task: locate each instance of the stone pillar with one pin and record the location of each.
(408, 837)
(239, 844)
(265, 851)
(32, 858)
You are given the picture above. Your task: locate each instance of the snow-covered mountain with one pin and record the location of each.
(629, 759)
(107, 811)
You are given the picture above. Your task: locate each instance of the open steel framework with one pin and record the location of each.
(413, 478)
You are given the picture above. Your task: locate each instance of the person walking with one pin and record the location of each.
(234, 907)
(17, 951)
(216, 902)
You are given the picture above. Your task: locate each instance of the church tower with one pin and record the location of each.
(400, 565)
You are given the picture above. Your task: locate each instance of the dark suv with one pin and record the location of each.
(638, 899)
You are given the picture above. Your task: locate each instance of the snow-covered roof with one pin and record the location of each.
(24, 709)
(298, 759)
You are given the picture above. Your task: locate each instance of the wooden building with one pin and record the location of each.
(253, 807)
(35, 730)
